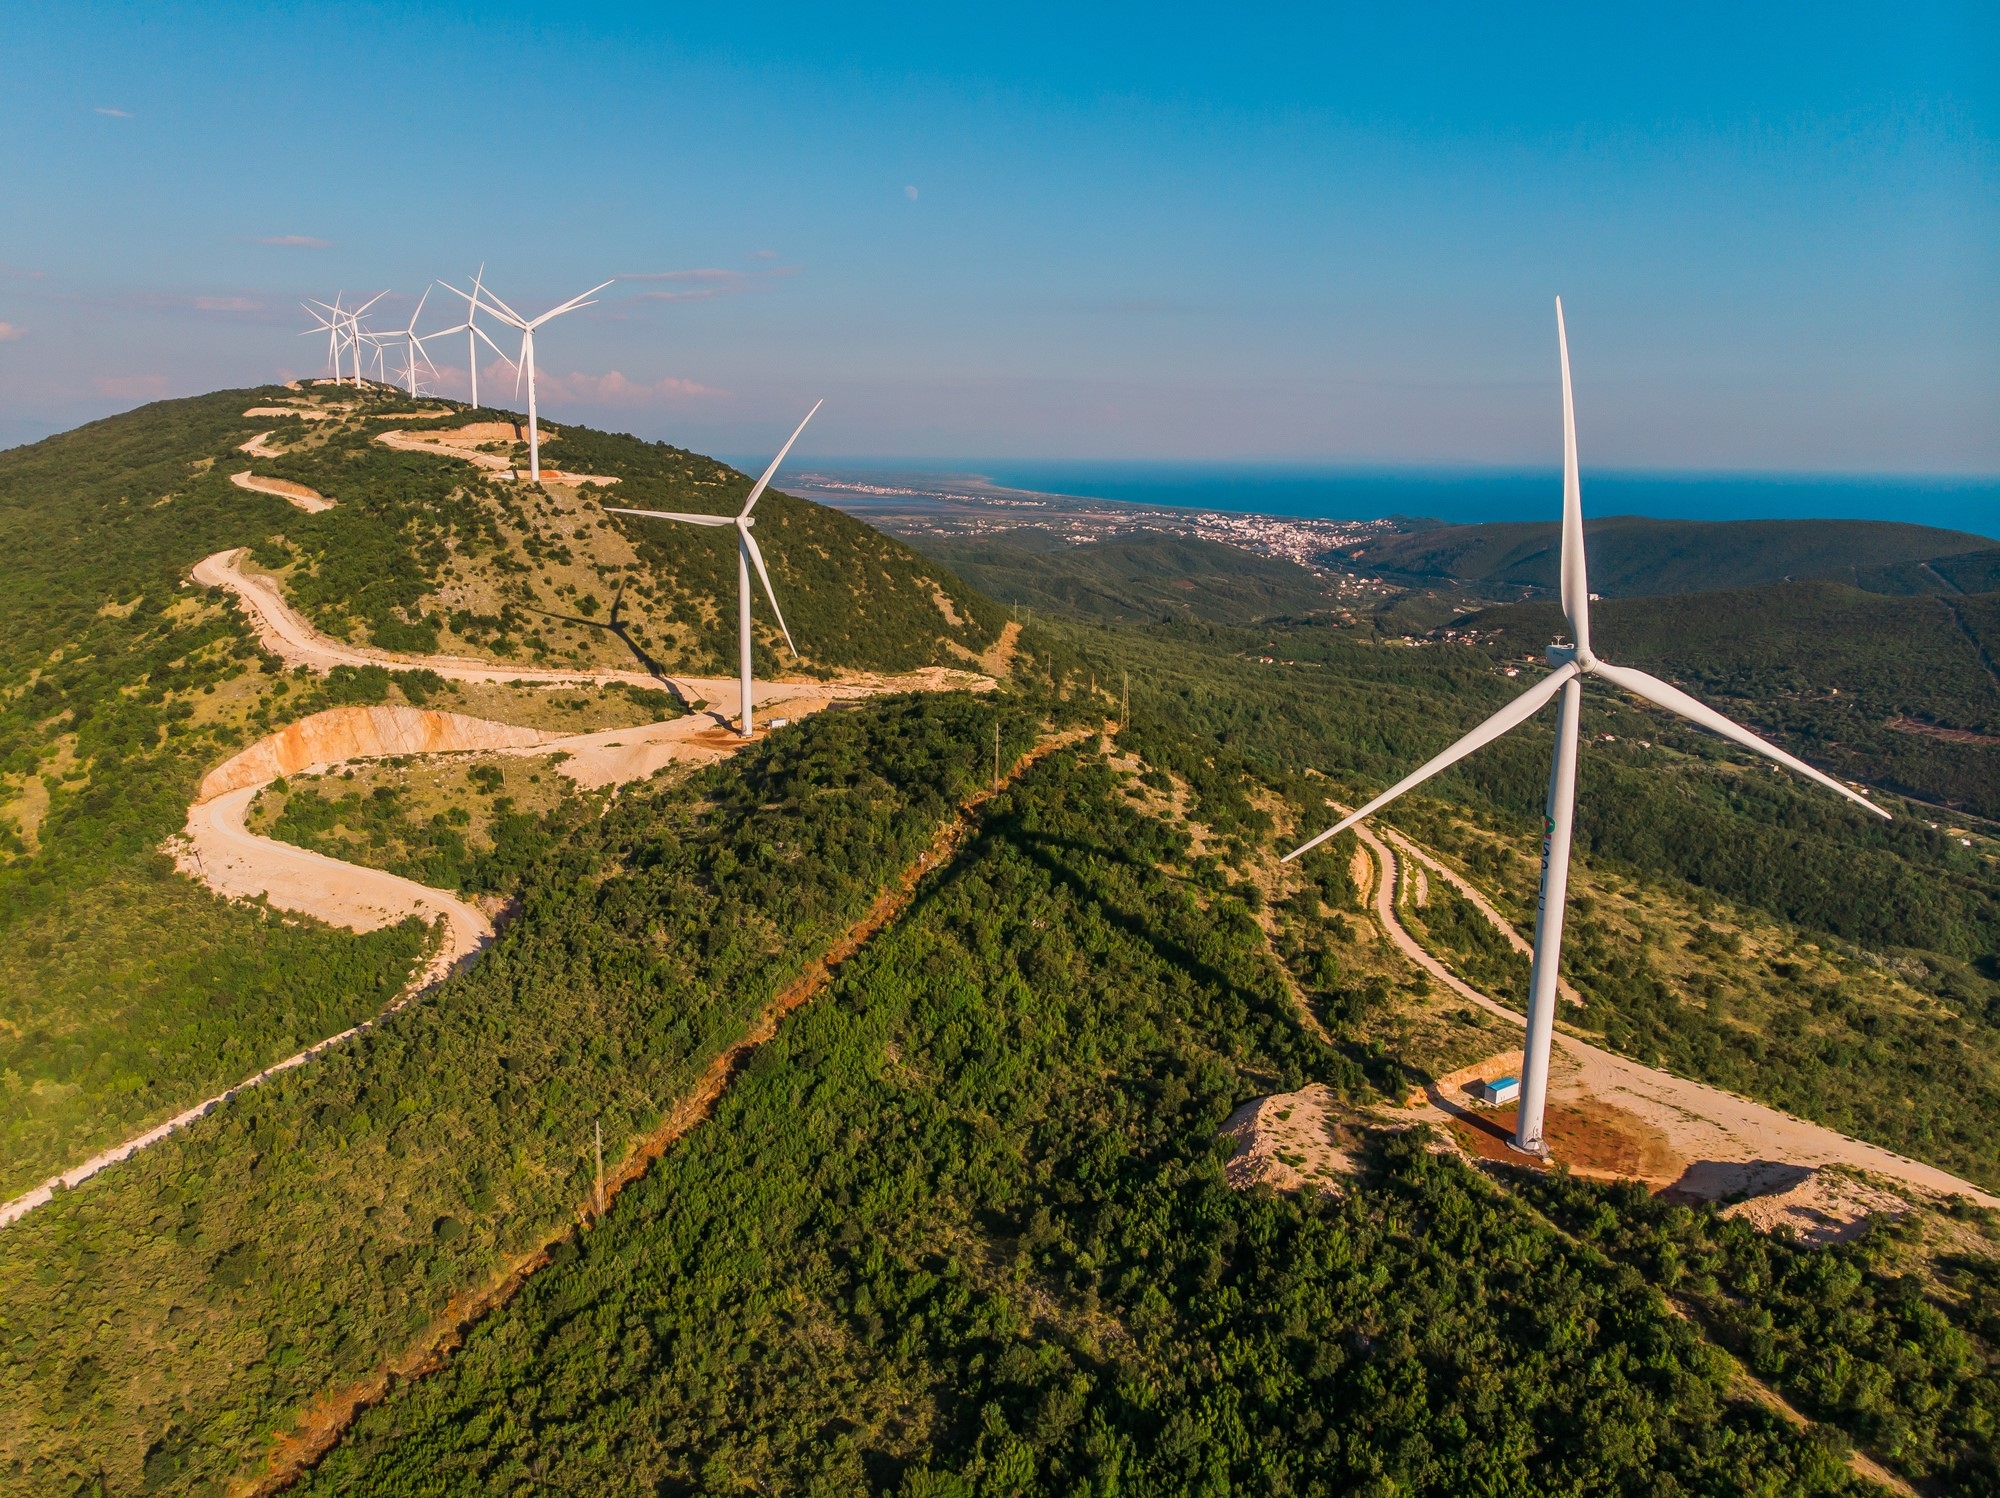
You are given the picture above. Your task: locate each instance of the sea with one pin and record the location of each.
(1464, 496)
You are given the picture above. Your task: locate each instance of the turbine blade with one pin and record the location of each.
(367, 304)
(674, 515)
(756, 556)
(573, 302)
(1575, 582)
(499, 308)
(480, 333)
(758, 492)
(1674, 700)
(1511, 716)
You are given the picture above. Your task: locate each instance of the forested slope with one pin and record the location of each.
(1896, 691)
(1631, 555)
(1135, 579)
(964, 1229)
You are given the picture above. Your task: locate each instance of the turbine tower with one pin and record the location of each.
(747, 556)
(526, 363)
(1572, 663)
(472, 331)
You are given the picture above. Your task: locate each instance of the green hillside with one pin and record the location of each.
(1632, 555)
(962, 1224)
(964, 1219)
(1896, 691)
(1141, 578)
(126, 994)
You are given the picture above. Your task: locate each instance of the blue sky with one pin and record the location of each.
(1319, 233)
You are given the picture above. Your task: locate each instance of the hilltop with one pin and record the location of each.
(422, 537)
(1631, 555)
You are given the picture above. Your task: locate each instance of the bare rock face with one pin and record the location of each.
(344, 733)
(1286, 1142)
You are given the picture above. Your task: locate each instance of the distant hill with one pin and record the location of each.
(1132, 578)
(1897, 690)
(1633, 556)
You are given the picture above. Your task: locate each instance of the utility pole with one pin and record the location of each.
(598, 1128)
(1125, 701)
(996, 754)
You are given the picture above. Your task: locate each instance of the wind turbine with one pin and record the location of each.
(472, 331)
(747, 556)
(329, 322)
(526, 363)
(414, 349)
(349, 324)
(1572, 663)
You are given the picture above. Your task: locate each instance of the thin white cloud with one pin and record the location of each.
(295, 242)
(130, 387)
(614, 389)
(227, 304)
(11, 332)
(703, 283)
(115, 114)
(21, 273)
(910, 193)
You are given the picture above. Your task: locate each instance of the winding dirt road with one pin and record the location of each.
(309, 500)
(218, 849)
(1719, 1139)
(287, 634)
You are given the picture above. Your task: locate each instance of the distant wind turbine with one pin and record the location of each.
(747, 556)
(474, 334)
(328, 322)
(350, 332)
(1572, 663)
(526, 363)
(413, 345)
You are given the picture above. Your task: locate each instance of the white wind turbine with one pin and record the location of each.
(347, 332)
(747, 556)
(1572, 663)
(328, 322)
(474, 334)
(413, 345)
(526, 363)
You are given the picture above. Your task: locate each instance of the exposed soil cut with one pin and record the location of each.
(1287, 1142)
(309, 500)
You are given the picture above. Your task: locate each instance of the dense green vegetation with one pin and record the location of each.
(1142, 578)
(1897, 1342)
(200, 1295)
(1681, 816)
(1632, 555)
(1889, 690)
(963, 1229)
